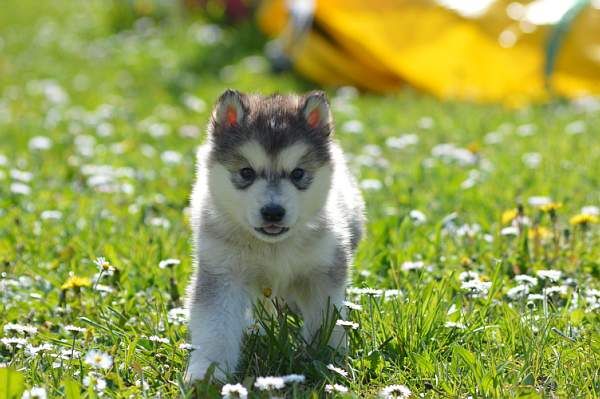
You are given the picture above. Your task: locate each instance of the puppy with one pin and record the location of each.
(275, 212)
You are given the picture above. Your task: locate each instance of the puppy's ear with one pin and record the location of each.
(316, 111)
(230, 109)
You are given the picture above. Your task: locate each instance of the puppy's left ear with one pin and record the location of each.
(229, 110)
(316, 111)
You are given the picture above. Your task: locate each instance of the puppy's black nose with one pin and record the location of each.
(272, 213)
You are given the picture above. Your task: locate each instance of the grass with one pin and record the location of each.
(123, 112)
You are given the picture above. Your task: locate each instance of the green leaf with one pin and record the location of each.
(577, 316)
(72, 389)
(11, 383)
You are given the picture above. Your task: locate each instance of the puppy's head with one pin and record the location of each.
(270, 162)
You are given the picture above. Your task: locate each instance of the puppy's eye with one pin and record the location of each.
(297, 174)
(247, 174)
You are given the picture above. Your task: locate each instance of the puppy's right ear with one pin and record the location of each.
(230, 109)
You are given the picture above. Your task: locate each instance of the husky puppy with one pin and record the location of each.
(276, 213)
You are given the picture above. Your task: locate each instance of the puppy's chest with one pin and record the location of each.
(277, 267)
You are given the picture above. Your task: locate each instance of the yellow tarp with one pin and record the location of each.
(495, 52)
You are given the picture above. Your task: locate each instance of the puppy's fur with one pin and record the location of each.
(274, 209)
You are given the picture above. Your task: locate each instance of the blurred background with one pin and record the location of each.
(504, 51)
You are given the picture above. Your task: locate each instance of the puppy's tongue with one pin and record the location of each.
(272, 229)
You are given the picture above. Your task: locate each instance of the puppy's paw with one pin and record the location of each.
(199, 368)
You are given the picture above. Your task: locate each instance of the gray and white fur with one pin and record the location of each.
(273, 209)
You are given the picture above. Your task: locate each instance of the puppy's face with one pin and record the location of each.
(270, 164)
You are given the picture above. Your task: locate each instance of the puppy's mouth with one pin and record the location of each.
(272, 230)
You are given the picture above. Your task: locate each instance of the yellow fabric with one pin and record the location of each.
(379, 44)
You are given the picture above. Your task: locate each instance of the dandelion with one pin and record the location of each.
(35, 393)
(352, 305)
(335, 388)
(230, 391)
(168, 263)
(454, 324)
(99, 360)
(552, 275)
(20, 328)
(395, 391)
(551, 207)
(509, 215)
(75, 282)
(583, 220)
(347, 323)
(269, 383)
(539, 233)
(338, 370)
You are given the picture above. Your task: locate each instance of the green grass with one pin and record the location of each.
(139, 81)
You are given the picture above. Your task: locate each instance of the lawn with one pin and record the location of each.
(479, 276)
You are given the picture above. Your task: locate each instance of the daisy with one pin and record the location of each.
(20, 328)
(269, 383)
(395, 391)
(74, 329)
(168, 263)
(231, 391)
(104, 266)
(352, 305)
(96, 381)
(98, 359)
(347, 323)
(525, 279)
(293, 378)
(156, 338)
(454, 324)
(338, 370)
(552, 275)
(335, 388)
(35, 393)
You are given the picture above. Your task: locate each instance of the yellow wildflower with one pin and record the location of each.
(583, 219)
(551, 207)
(76, 282)
(474, 148)
(509, 215)
(539, 232)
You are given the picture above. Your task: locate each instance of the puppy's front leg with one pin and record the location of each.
(318, 302)
(218, 306)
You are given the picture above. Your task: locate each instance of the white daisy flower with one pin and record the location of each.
(335, 388)
(395, 391)
(74, 329)
(177, 316)
(347, 323)
(526, 279)
(156, 338)
(269, 383)
(20, 328)
(293, 378)
(35, 393)
(104, 266)
(99, 360)
(590, 210)
(163, 264)
(230, 391)
(518, 292)
(96, 381)
(510, 231)
(454, 324)
(417, 217)
(39, 143)
(352, 305)
(538, 200)
(338, 370)
(18, 342)
(552, 275)
(410, 265)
